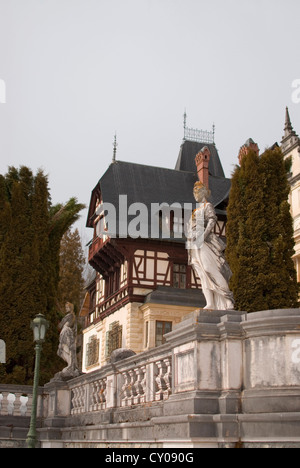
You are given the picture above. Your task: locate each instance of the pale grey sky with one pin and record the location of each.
(76, 71)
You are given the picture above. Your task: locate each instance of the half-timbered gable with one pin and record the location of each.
(137, 217)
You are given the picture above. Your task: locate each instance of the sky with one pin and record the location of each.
(75, 72)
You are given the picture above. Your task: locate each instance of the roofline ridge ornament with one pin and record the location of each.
(115, 144)
(196, 135)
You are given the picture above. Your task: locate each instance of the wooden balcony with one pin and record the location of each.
(104, 257)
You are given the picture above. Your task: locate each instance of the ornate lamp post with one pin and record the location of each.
(39, 326)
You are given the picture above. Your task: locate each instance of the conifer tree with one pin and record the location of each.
(72, 260)
(29, 271)
(260, 234)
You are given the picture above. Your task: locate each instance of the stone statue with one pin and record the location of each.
(67, 345)
(206, 253)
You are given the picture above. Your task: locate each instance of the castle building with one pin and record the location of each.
(143, 284)
(290, 146)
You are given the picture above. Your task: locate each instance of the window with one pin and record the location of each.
(92, 351)
(161, 329)
(113, 283)
(179, 276)
(113, 338)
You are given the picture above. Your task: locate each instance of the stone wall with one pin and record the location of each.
(223, 379)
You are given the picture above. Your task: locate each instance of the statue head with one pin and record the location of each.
(69, 307)
(201, 192)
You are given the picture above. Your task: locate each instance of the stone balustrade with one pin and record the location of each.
(222, 378)
(138, 380)
(16, 400)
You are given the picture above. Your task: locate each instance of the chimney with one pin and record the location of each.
(249, 145)
(202, 162)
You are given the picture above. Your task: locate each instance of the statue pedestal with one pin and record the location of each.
(59, 406)
(59, 399)
(207, 363)
(66, 374)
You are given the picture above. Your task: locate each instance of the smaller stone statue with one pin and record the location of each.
(67, 345)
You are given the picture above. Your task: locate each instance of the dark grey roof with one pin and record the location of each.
(146, 184)
(151, 184)
(187, 154)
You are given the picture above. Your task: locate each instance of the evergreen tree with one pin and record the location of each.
(29, 248)
(72, 260)
(260, 234)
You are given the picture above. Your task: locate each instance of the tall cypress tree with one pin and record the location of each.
(29, 270)
(72, 261)
(260, 234)
(283, 292)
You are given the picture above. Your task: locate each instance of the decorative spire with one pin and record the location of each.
(184, 123)
(213, 132)
(287, 117)
(288, 125)
(115, 144)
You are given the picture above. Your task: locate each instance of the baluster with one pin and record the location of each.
(144, 384)
(132, 387)
(17, 404)
(102, 393)
(94, 396)
(126, 392)
(168, 378)
(29, 404)
(74, 401)
(161, 385)
(11, 398)
(82, 398)
(141, 378)
(78, 400)
(98, 395)
(4, 405)
(139, 390)
(23, 404)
